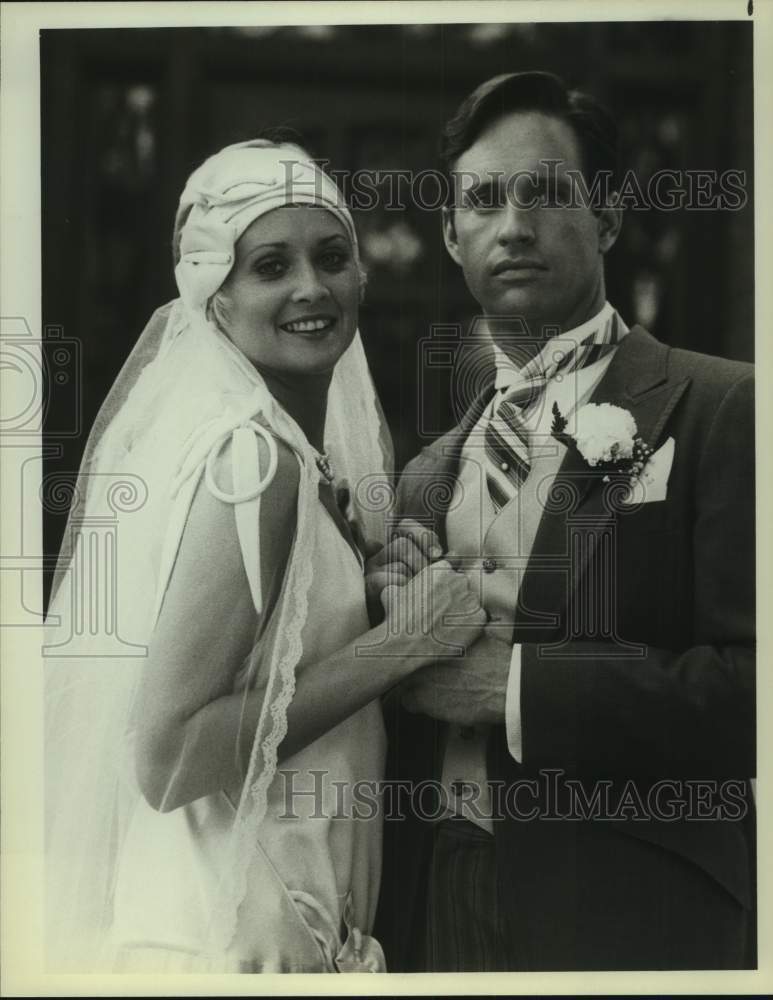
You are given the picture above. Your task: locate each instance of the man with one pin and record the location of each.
(590, 751)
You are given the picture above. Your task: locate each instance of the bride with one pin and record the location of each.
(211, 787)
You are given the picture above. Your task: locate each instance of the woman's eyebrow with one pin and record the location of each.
(263, 246)
(282, 244)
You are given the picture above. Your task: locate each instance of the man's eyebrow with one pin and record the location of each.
(481, 183)
(559, 180)
(544, 173)
(483, 187)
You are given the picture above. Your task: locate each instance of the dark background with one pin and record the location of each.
(127, 114)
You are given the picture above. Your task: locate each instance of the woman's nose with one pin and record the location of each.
(516, 225)
(309, 287)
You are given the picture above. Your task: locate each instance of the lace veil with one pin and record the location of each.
(184, 392)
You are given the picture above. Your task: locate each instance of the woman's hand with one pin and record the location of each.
(412, 548)
(435, 616)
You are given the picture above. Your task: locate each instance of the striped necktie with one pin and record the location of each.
(506, 441)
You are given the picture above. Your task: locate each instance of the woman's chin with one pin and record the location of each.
(317, 355)
(314, 359)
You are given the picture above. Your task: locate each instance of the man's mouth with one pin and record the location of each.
(515, 264)
(309, 325)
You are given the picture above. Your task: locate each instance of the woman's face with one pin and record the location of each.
(292, 296)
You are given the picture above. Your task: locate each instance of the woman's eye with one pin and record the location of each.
(334, 260)
(270, 268)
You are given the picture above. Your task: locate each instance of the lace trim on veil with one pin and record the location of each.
(264, 757)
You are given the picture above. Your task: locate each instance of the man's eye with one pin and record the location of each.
(484, 199)
(550, 195)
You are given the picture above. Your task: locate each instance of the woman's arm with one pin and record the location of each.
(209, 749)
(194, 734)
(205, 631)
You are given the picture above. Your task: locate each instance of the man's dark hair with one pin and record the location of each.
(593, 125)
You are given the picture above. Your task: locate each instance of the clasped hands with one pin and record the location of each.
(466, 689)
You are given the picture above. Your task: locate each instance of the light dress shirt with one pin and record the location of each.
(464, 775)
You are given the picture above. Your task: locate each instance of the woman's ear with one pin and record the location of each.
(449, 234)
(610, 221)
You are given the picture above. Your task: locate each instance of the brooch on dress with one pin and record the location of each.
(324, 466)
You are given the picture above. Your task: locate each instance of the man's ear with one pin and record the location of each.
(449, 234)
(610, 221)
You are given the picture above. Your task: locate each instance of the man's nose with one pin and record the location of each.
(309, 286)
(516, 225)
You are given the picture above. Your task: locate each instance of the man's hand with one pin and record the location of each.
(468, 691)
(412, 548)
(436, 615)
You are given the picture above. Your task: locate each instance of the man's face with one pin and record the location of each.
(522, 252)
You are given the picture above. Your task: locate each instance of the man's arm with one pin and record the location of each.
(691, 711)
(670, 713)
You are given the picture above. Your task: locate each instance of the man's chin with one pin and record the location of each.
(518, 304)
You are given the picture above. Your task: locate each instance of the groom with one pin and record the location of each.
(584, 801)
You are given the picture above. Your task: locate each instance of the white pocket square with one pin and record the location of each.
(653, 482)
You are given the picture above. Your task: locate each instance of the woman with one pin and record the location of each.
(174, 841)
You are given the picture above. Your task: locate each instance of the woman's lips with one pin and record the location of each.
(309, 326)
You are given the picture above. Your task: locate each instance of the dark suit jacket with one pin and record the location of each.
(665, 692)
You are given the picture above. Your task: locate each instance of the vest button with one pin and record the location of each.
(489, 565)
(505, 467)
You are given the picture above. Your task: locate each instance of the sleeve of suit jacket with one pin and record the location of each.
(673, 712)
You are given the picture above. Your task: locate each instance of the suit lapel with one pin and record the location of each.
(636, 380)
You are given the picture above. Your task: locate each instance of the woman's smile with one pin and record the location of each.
(310, 326)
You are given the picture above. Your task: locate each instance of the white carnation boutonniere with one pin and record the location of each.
(607, 439)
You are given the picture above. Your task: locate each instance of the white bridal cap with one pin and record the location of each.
(228, 192)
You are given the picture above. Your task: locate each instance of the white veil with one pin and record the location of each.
(184, 391)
